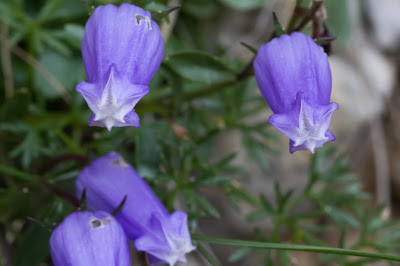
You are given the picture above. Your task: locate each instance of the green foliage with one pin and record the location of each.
(199, 67)
(196, 97)
(244, 4)
(336, 195)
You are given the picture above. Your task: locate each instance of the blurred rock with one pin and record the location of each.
(385, 20)
(362, 81)
(253, 27)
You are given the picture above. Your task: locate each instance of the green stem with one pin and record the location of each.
(16, 173)
(208, 90)
(171, 199)
(296, 201)
(74, 147)
(208, 256)
(275, 236)
(189, 96)
(305, 248)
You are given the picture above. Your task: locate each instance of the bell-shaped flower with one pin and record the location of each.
(294, 77)
(122, 49)
(86, 238)
(165, 237)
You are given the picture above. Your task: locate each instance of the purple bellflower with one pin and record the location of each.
(86, 238)
(165, 237)
(294, 77)
(122, 49)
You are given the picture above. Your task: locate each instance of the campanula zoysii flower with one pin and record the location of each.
(86, 238)
(294, 77)
(122, 49)
(165, 237)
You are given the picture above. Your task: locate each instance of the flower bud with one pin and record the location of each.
(86, 238)
(122, 49)
(165, 237)
(294, 77)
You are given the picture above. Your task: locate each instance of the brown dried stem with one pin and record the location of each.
(34, 63)
(314, 8)
(6, 62)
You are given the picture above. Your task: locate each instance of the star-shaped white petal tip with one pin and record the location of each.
(306, 125)
(113, 106)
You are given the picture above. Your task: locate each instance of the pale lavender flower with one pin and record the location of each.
(294, 77)
(165, 237)
(86, 238)
(122, 49)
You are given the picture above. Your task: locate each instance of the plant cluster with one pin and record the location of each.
(193, 99)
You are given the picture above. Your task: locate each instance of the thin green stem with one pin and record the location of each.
(296, 201)
(208, 256)
(208, 90)
(275, 236)
(189, 96)
(16, 173)
(74, 147)
(305, 248)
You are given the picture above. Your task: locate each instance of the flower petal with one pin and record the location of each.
(122, 50)
(86, 238)
(304, 124)
(125, 36)
(290, 64)
(164, 236)
(169, 240)
(116, 101)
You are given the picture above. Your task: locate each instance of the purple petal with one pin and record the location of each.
(174, 243)
(86, 238)
(107, 180)
(304, 124)
(113, 107)
(122, 50)
(294, 77)
(290, 64)
(125, 36)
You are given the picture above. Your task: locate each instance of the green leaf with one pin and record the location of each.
(256, 149)
(266, 204)
(210, 258)
(161, 12)
(251, 48)
(73, 34)
(207, 207)
(193, 199)
(200, 8)
(239, 254)
(16, 107)
(68, 71)
(67, 11)
(278, 27)
(48, 10)
(243, 4)
(147, 155)
(341, 217)
(34, 246)
(30, 148)
(16, 173)
(257, 216)
(120, 206)
(200, 67)
(154, 7)
(285, 258)
(339, 20)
